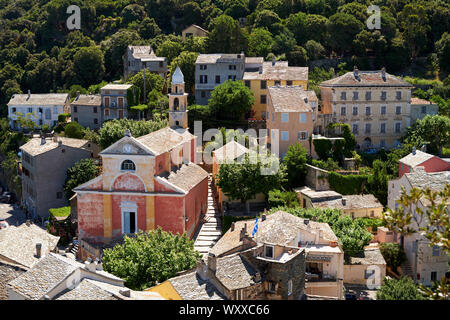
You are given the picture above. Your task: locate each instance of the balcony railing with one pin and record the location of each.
(319, 277)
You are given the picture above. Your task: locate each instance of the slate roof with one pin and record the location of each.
(217, 58)
(45, 99)
(191, 287)
(165, 139)
(370, 256)
(7, 274)
(280, 71)
(254, 60)
(357, 201)
(420, 179)
(87, 100)
(18, 244)
(231, 151)
(367, 79)
(34, 146)
(291, 99)
(231, 239)
(413, 160)
(187, 177)
(319, 195)
(235, 272)
(86, 290)
(139, 51)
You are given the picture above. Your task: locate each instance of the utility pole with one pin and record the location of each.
(145, 93)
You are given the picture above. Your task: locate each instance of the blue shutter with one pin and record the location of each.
(126, 222)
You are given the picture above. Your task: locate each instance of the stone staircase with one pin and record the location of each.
(210, 228)
(407, 269)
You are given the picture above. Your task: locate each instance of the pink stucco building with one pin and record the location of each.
(418, 158)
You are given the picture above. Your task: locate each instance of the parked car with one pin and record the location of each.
(350, 296)
(3, 224)
(370, 151)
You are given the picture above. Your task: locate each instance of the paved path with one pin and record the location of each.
(210, 228)
(12, 214)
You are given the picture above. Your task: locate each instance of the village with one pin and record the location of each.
(225, 176)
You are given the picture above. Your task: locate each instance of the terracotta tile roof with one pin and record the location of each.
(413, 160)
(292, 99)
(18, 244)
(279, 71)
(420, 101)
(357, 201)
(191, 287)
(165, 139)
(45, 99)
(235, 272)
(370, 256)
(187, 177)
(231, 151)
(88, 100)
(367, 79)
(34, 146)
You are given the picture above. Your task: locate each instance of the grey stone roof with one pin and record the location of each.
(280, 71)
(235, 272)
(116, 86)
(195, 26)
(187, 177)
(370, 256)
(165, 139)
(318, 195)
(292, 99)
(357, 201)
(87, 100)
(7, 274)
(43, 99)
(433, 180)
(366, 79)
(86, 290)
(217, 58)
(416, 159)
(231, 239)
(191, 287)
(35, 147)
(18, 244)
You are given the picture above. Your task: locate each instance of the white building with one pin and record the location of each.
(42, 108)
(428, 263)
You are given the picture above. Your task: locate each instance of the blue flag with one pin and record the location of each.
(255, 228)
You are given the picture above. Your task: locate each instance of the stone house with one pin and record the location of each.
(427, 263)
(193, 31)
(44, 107)
(366, 269)
(268, 74)
(44, 166)
(214, 69)
(418, 158)
(376, 105)
(421, 108)
(137, 58)
(114, 101)
(291, 115)
(86, 110)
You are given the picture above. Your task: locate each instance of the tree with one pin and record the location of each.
(296, 23)
(83, 171)
(113, 130)
(226, 36)
(298, 57)
(343, 28)
(402, 289)
(377, 183)
(132, 12)
(314, 49)
(192, 13)
(148, 28)
(266, 19)
(231, 98)
(74, 130)
(152, 82)
(414, 22)
(295, 161)
(150, 258)
(438, 291)
(169, 49)
(443, 51)
(316, 28)
(89, 65)
(394, 254)
(26, 121)
(260, 42)
(186, 62)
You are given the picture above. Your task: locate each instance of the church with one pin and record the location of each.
(147, 182)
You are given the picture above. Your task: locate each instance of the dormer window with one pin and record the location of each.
(268, 251)
(128, 165)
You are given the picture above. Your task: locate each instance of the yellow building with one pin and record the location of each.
(193, 31)
(265, 74)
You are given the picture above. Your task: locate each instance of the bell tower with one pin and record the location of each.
(178, 102)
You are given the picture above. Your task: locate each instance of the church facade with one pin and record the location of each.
(147, 182)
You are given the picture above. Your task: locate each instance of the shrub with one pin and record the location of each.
(347, 184)
(279, 198)
(62, 117)
(74, 130)
(402, 289)
(394, 254)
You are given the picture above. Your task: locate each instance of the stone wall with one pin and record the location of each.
(316, 178)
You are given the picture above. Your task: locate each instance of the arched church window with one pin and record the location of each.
(128, 165)
(176, 104)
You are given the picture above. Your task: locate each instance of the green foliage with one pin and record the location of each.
(231, 98)
(152, 82)
(402, 289)
(226, 36)
(60, 212)
(113, 130)
(323, 148)
(394, 254)
(83, 171)
(261, 42)
(150, 258)
(169, 49)
(347, 184)
(328, 165)
(443, 51)
(74, 130)
(352, 233)
(377, 183)
(89, 66)
(62, 117)
(295, 162)
(279, 198)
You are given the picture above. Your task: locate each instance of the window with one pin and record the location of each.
(95, 109)
(203, 79)
(14, 110)
(95, 121)
(247, 83)
(399, 95)
(397, 127)
(433, 276)
(30, 110)
(372, 213)
(383, 128)
(277, 82)
(344, 95)
(285, 135)
(398, 110)
(355, 111)
(289, 82)
(285, 117)
(343, 111)
(272, 286)
(368, 273)
(129, 222)
(160, 64)
(128, 165)
(368, 95)
(368, 111)
(289, 288)
(263, 99)
(268, 251)
(203, 67)
(273, 116)
(263, 84)
(355, 128)
(302, 117)
(75, 109)
(383, 95)
(302, 135)
(55, 110)
(367, 128)
(106, 112)
(355, 95)
(424, 109)
(59, 195)
(383, 110)
(435, 251)
(202, 94)
(232, 67)
(232, 77)
(263, 115)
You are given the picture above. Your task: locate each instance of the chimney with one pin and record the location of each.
(260, 69)
(414, 151)
(28, 223)
(127, 133)
(38, 250)
(344, 201)
(42, 140)
(78, 95)
(212, 262)
(55, 139)
(59, 143)
(424, 148)
(356, 71)
(232, 226)
(273, 60)
(90, 266)
(243, 232)
(29, 94)
(99, 266)
(383, 73)
(125, 292)
(263, 217)
(306, 221)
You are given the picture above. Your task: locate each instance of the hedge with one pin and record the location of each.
(347, 184)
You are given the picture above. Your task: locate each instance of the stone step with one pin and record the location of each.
(212, 225)
(201, 243)
(211, 233)
(214, 228)
(208, 238)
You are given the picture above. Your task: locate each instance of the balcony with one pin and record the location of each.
(319, 277)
